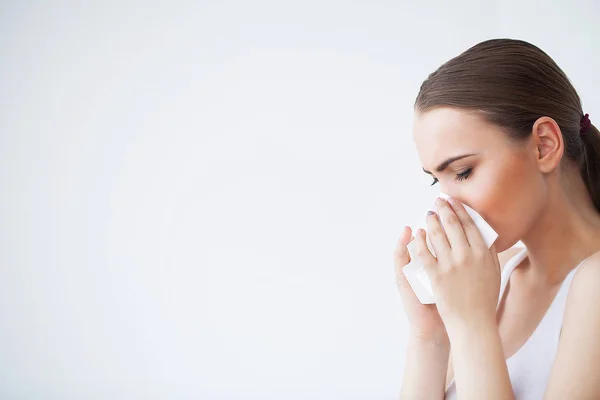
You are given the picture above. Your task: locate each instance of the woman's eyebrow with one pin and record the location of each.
(446, 163)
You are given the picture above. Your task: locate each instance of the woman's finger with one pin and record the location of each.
(401, 256)
(423, 254)
(470, 230)
(452, 225)
(401, 250)
(437, 236)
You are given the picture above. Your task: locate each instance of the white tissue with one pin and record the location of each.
(415, 272)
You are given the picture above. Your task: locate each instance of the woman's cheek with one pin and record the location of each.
(502, 202)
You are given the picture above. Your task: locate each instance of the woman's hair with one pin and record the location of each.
(512, 83)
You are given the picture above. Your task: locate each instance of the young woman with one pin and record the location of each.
(501, 129)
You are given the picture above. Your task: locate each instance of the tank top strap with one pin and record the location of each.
(563, 292)
(508, 268)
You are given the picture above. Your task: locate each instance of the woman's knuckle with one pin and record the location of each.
(461, 258)
(452, 219)
(479, 253)
(435, 231)
(468, 223)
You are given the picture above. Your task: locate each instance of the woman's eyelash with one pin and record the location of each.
(459, 177)
(464, 175)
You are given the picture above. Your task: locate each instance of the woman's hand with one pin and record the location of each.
(465, 274)
(426, 323)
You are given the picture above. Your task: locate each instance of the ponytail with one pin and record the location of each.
(590, 163)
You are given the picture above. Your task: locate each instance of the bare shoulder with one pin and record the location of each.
(579, 348)
(584, 292)
(585, 285)
(592, 262)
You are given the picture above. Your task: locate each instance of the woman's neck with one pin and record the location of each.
(566, 231)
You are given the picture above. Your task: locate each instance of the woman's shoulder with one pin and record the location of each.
(584, 293)
(587, 274)
(579, 346)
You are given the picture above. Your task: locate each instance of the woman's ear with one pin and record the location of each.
(549, 143)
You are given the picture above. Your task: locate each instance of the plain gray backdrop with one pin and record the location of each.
(201, 200)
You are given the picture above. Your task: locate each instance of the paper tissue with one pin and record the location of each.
(415, 272)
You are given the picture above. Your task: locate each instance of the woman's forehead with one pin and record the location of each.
(442, 133)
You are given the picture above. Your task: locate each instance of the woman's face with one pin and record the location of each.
(499, 178)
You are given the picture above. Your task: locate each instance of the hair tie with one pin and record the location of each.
(585, 124)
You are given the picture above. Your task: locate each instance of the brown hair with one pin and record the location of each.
(511, 83)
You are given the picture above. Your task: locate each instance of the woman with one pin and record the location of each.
(501, 128)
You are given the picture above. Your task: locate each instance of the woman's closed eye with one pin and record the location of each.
(459, 177)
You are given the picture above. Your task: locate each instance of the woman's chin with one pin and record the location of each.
(502, 245)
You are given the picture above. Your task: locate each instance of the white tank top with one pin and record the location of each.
(529, 368)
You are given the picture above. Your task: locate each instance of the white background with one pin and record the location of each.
(202, 200)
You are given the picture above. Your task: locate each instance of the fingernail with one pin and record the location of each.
(451, 200)
(430, 212)
(439, 201)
